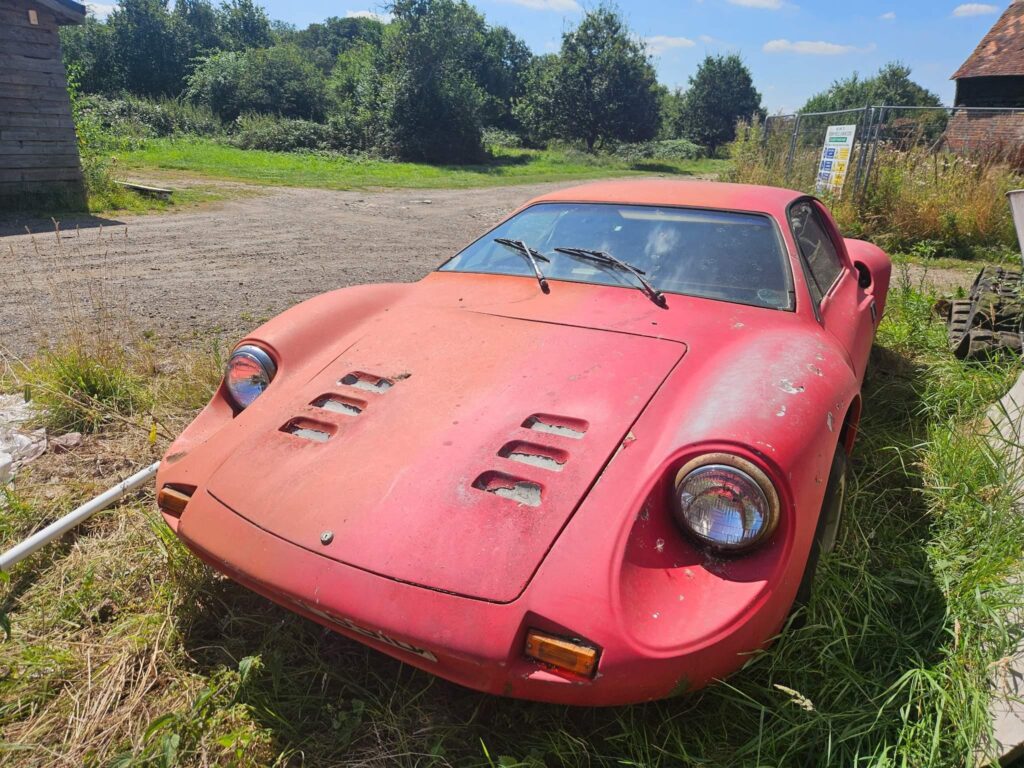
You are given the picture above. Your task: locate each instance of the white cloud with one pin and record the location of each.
(890, 16)
(771, 5)
(101, 10)
(383, 18)
(658, 44)
(547, 5)
(813, 48)
(975, 9)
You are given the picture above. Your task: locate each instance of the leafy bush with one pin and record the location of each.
(278, 134)
(500, 138)
(667, 149)
(135, 117)
(278, 80)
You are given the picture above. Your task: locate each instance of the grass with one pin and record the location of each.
(511, 166)
(119, 200)
(126, 651)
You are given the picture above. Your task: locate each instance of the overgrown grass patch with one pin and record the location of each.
(336, 171)
(127, 651)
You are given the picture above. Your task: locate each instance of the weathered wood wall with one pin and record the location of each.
(38, 147)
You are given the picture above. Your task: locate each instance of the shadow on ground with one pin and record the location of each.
(36, 223)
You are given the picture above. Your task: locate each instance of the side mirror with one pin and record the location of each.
(863, 274)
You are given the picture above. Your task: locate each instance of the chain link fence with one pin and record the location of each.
(883, 132)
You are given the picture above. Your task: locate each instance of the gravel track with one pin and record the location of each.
(221, 269)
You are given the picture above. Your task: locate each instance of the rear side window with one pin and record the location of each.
(816, 247)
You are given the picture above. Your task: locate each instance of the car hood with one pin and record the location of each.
(457, 446)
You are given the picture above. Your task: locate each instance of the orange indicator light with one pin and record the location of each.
(564, 654)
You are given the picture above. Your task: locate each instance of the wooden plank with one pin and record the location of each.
(18, 189)
(37, 134)
(34, 92)
(40, 174)
(49, 49)
(40, 79)
(39, 100)
(36, 107)
(9, 32)
(36, 148)
(15, 63)
(15, 120)
(62, 160)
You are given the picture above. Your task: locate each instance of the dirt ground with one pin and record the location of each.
(217, 271)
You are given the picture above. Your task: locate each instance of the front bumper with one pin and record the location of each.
(471, 642)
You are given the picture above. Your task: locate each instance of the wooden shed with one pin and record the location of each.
(38, 147)
(993, 76)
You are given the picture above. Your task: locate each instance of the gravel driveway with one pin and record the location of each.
(222, 269)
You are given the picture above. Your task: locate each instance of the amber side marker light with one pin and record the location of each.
(559, 652)
(172, 501)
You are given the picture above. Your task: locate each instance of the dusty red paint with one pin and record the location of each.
(427, 565)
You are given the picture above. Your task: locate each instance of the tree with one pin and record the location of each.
(891, 86)
(720, 93)
(197, 27)
(243, 25)
(600, 87)
(146, 57)
(88, 49)
(504, 61)
(277, 80)
(335, 36)
(430, 95)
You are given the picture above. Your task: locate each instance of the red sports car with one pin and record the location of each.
(592, 459)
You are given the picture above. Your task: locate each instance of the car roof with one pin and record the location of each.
(669, 192)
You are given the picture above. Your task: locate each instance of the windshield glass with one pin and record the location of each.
(735, 257)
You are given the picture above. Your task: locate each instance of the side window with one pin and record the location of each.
(816, 247)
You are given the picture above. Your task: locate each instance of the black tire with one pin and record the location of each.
(828, 523)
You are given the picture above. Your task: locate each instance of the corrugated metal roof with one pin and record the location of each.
(1001, 51)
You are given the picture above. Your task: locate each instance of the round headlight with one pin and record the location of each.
(726, 502)
(250, 371)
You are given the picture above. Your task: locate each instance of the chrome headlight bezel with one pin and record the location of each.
(746, 474)
(253, 354)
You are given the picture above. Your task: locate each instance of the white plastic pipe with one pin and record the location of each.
(58, 528)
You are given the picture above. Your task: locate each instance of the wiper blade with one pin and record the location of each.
(531, 255)
(603, 257)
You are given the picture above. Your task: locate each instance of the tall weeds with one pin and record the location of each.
(915, 196)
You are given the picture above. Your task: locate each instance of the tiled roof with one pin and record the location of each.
(1001, 51)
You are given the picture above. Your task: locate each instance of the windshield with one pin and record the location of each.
(735, 257)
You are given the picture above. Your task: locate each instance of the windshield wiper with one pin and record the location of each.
(602, 257)
(531, 255)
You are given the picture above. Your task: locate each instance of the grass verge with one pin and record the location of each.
(328, 171)
(126, 651)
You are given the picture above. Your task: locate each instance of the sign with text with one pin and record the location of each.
(835, 158)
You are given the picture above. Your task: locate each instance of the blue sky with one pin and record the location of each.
(793, 47)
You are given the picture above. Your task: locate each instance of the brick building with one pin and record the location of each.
(993, 76)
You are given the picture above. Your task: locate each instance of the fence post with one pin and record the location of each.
(874, 149)
(868, 119)
(792, 147)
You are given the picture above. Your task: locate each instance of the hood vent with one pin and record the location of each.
(510, 487)
(316, 431)
(366, 381)
(348, 406)
(535, 455)
(557, 425)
